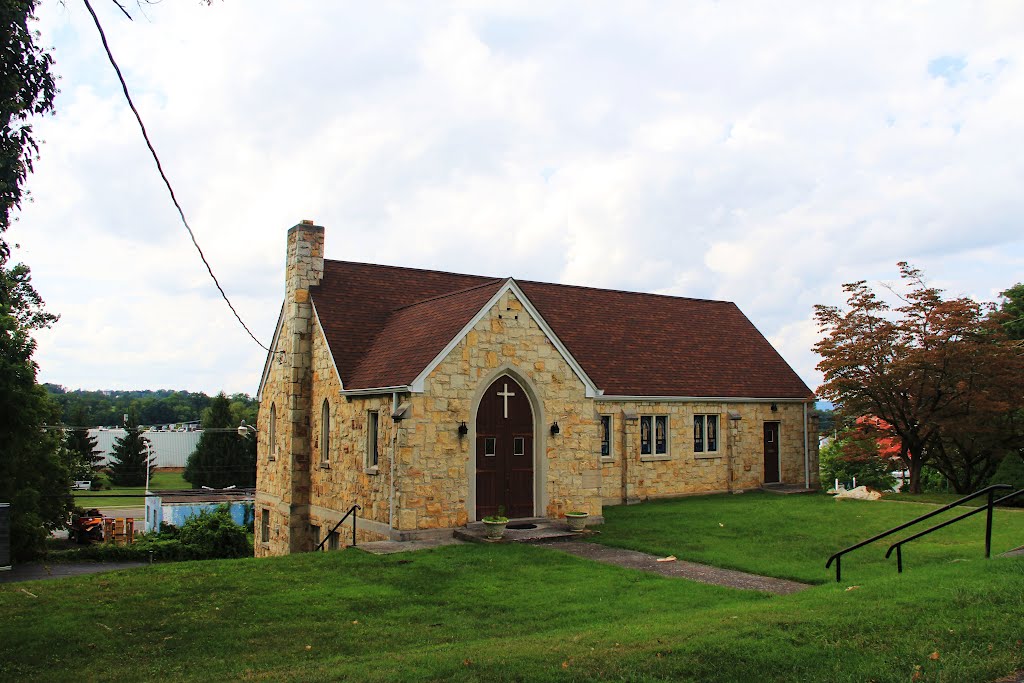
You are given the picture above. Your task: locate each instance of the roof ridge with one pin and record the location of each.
(419, 270)
(448, 294)
(626, 291)
(491, 279)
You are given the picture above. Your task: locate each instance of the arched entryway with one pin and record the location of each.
(504, 450)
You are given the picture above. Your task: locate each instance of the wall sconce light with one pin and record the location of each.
(554, 429)
(775, 407)
(463, 429)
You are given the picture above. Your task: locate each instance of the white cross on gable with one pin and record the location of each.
(505, 395)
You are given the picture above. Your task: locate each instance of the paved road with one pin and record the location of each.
(137, 513)
(35, 571)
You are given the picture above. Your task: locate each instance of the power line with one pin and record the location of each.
(160, 169)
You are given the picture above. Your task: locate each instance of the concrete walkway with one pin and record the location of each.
(678, 569)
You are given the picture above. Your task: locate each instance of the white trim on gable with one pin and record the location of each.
(330, 354)
(592, 391)
(270, 353)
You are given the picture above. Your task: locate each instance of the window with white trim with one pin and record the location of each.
(606, 436)
(325, 433)
(372, 452)
(654, 435)
(705, 433)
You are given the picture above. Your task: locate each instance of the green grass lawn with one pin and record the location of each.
(792, 536)
(130, 496)
(512, 612)
(933, 498)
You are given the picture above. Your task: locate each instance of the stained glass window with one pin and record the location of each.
(705, 433)
(661, 434)
(606, 435)
(645, 435)
(372, 452)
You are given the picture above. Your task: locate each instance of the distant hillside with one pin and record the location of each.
(153, 407)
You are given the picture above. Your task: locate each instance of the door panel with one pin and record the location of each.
(771, 453)
(504, 427)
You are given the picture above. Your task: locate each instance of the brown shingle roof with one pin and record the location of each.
(653, 345)
(385, 324)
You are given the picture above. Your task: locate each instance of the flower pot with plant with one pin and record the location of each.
(495, 524)
(577, 520)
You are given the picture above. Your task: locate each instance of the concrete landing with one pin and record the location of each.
(544, 531)
(680, 569)
(786, 489)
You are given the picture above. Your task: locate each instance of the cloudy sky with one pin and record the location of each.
(763, 153)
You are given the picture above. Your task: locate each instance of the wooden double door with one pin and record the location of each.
(504, 451)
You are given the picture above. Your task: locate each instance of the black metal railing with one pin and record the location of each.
(837, 556)
(351, 511)
(898, 545)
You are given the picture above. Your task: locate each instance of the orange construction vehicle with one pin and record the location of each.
(87, 527)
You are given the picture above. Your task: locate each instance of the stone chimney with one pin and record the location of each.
(304, 269)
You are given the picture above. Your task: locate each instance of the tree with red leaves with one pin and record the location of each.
(941, 375)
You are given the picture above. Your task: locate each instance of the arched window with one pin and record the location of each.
(325, 432)
(272, 432)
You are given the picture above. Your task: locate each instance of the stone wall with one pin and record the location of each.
(341, 476)
(436, 476)
(737, 465)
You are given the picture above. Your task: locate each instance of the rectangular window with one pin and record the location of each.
(314, 531)
(490, 446)
(705, 433)
(372, 454)
(265, 526)
(519, 445)
(606, 436)
(654, 435)
(333, 541)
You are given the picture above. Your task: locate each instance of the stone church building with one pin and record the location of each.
(433, 399)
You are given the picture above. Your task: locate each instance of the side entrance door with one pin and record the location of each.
(504, 451)
(771, 452)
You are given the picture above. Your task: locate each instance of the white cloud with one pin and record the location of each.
(759, 154)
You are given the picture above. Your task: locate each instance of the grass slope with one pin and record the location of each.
(504, 613)
(792, 536)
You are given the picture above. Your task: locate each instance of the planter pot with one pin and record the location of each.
(495, 530)
(577, 520)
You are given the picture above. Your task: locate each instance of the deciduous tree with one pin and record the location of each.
(34, 477)
(941, 373)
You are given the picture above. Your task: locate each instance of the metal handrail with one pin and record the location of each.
(838, 555)
(898, 545)
(351, 511)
